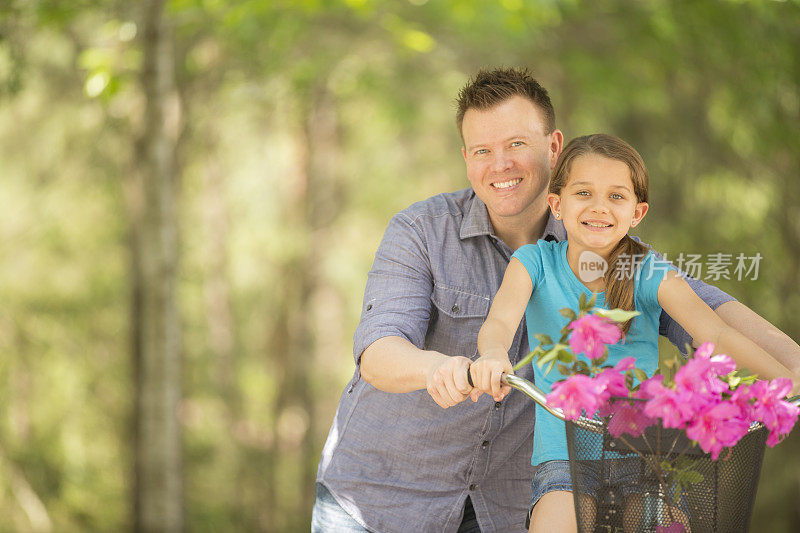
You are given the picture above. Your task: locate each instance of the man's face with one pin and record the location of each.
(509, 158)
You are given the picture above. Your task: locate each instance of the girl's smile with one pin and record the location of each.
(598, 204)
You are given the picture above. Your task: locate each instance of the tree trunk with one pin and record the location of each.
(158, 504)
(295, 346)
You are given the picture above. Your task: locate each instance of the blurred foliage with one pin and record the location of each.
(305, 126)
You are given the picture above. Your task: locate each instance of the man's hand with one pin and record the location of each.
(486, 373)
(447, 381)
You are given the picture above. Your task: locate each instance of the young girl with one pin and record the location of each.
(599, 189)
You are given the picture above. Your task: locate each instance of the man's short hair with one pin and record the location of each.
(491, 87)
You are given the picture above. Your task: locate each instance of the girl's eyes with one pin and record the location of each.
(613, 195)
(481, 151)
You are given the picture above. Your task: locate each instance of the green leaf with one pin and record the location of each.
(733, 380)
(582, 301)
(640, 374)
(590, 304)
(628, 380)
(544, 339)
(617, 315)
(568, 313)
(548, 356)
(749, 379)
(565, 356)
(603, 358)
(528, 358)
(693, 477)
(565, 370)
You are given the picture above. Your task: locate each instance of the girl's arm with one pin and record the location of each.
(704, 325)
(497, 332)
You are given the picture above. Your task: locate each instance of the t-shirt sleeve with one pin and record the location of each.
(650, 274)
(530, 255)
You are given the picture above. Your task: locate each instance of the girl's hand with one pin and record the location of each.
(486, 373)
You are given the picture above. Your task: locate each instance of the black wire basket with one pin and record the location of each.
(658, 481)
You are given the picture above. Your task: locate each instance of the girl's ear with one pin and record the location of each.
(639, 212)
(554, 201)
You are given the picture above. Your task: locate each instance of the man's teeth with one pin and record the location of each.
(597, 225)
(506, 184)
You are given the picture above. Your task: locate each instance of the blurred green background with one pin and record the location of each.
(299, 129)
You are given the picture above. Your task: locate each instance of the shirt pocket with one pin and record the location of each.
(456, 318)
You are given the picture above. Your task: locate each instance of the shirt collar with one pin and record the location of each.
(476, 222)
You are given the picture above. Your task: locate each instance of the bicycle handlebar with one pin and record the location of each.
(535, 393)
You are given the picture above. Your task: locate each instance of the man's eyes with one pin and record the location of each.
(616, 196)
(481, 151)
(517, 143)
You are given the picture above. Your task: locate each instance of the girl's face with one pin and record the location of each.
(597, 204)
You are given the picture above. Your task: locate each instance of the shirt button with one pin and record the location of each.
(369, 306)
(484, 444)
(497, 405)
(472, 487)
(455, 308)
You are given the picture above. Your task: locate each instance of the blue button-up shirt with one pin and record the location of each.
(399, 462)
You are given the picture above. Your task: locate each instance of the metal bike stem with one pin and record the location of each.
(536, 394)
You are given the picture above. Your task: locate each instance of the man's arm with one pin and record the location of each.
(762, 333)
(388, 342)
(392, 364)
(739, 317)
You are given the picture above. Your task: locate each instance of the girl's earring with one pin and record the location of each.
(558, 215)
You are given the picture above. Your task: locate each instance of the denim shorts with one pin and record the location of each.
(625, 475)
(555, 475)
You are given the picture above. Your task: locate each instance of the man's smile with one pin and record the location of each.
(505, 185)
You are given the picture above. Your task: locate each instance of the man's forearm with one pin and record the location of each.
(760, 331)
(392, 364)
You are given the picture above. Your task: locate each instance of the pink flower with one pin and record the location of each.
(704, 350)
(701, 373)
(591, 333)
(778, 416)
(700, 377)
(718, 427)
(628, 419)
(665, 403)
(611, 382)
(575, 394)
(675, 527)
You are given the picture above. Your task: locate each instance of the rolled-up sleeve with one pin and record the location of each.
(397, 298)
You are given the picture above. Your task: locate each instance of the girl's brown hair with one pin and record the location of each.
(619, 276)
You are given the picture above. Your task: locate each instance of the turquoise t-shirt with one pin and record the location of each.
(555, 286)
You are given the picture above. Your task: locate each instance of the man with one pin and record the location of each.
(400, 462)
